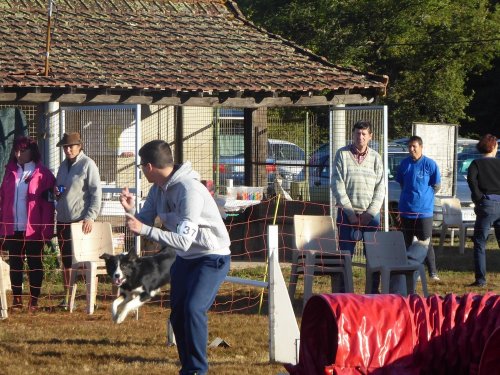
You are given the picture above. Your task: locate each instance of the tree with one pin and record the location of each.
(484, 109)
(428, 48)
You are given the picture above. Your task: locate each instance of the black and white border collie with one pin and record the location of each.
(138, 278)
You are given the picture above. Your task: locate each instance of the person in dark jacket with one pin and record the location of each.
(26, 217)
(483, 178)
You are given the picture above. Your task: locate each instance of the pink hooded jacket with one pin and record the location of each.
(41, 212)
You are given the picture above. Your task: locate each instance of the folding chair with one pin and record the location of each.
(316, 254)
(452, 219)
(4, 286)
(386, 253)
(86, 251)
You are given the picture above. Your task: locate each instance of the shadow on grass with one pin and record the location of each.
(106, 358)
(80, 342)
(451, 260)
(97, 343)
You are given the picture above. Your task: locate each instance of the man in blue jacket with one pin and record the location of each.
(420, 179)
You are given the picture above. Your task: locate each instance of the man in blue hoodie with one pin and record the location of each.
(192, 225)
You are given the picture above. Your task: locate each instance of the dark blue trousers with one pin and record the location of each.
(194, 286)
(346, 243)
(487, 216)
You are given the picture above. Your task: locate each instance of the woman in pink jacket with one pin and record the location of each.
(26, 217)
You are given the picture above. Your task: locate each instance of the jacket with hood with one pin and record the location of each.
(192, 223)
(81, 199)
(40, 210)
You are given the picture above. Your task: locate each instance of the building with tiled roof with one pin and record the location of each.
(165, 52)
(123, 72)
(71, 65)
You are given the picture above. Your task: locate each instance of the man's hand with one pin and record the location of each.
(57, 193)
(353, 219)
(133, 224)
(364, 219)
(87, 226)
(127, 199)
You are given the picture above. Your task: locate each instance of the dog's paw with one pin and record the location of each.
(120, 318)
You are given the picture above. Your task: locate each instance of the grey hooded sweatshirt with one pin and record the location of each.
(82, 198)
(192, 223)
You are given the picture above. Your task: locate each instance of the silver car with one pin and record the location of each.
(289, 158)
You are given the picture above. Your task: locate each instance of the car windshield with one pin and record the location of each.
(464, 160)
(393, 161)
(285, 151)
(463, 165)
(231, 145)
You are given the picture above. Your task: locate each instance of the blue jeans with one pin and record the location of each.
(194, 286)
(487, 215)
(344, 228)
(347, 244)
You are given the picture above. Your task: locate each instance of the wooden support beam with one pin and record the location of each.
(311, 101)
(8, 96)
(176, 98)
(105, 99)
(350, 99)
(238, 102)
(168, 101)
(71, 98)
(36, 97)
(200, 102)
(276, 102)
(139, 99)
(179, 135)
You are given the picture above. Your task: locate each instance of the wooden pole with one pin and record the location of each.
(47, 44)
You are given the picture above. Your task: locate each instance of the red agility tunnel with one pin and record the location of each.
(391, 334)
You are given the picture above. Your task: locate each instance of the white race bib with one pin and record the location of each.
(187, 229)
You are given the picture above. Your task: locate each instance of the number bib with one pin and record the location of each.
(187, 229)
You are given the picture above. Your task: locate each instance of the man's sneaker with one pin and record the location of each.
(435, 277)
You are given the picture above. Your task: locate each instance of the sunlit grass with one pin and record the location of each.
(53, 341)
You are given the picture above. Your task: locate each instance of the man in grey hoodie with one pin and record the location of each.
(192, 225)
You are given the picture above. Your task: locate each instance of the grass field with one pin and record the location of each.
(53, 341)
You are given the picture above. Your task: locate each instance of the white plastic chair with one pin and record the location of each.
(4, 286)
(86, 251)
(386, 253)
(452, 219)
(316, 254)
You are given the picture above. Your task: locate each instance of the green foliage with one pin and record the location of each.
(483, 109)
(290, 124)
(428, 48)
(50, 262)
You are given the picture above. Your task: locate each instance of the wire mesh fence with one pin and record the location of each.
(32, 115)
(288, 149)
(248, 232)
